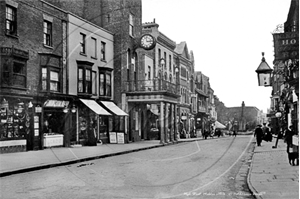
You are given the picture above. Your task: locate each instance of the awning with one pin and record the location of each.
(114, 108)
(94, 106)
(218, 125)
(56, 103)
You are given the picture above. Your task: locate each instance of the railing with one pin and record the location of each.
(150, 86)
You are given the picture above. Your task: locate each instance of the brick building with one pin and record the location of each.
(26, 46)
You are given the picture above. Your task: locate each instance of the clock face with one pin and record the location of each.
(147, 42)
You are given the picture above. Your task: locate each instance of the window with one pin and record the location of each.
(94, 82)
(170, 77)
(94, 43)
(103, 44)
(47, 33)
(88, 81)
(51, 77)
(13, 67)
(105, 83)
(54, 81)
(131, 25)
(165, 57)
(159, 55)
(82, 43)
(108, 84)
(170, 63)
(128, 64)
(166, 76)
(11, 20)
(84, 80)
(149, 72)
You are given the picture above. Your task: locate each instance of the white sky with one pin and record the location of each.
(227, 38)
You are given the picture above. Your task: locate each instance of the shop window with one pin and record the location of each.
(11, 20)
(47, 33)
(14, 121)
(105, 83)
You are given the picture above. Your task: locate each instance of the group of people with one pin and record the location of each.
(263, 133)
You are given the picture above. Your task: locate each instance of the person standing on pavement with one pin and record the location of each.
(258, 133)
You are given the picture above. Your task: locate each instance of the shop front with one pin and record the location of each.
(116, 123)
(93, 124)
(15, 124)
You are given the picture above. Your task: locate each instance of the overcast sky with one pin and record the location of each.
(227, 38)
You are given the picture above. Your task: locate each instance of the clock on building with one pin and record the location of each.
(147, 42)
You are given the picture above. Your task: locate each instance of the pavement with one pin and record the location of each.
(270, 175)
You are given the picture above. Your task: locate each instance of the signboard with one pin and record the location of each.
(113, 137)
(120, 138)
(286, 45)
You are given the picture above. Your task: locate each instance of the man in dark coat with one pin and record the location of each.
(258, 134)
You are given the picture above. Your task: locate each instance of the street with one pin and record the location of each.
(213, 168)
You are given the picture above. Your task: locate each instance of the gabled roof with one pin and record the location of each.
(182, 50)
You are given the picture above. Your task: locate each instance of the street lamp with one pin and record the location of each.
(264, 72)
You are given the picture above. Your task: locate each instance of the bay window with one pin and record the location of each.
(105, 83)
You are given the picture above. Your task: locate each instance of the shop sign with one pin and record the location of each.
(286, 45)
(56, 103)
(113, 137)
(120, 137)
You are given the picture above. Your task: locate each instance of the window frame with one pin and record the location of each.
(86, 89)
(131, 25)
(94, 56)
(47, 34)
(82, 44)
(103, 51)
(12, 30)
(104, 84)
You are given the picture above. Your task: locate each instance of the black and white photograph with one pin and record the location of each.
(149, 99)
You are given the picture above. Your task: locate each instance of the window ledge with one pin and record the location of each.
(103, 60)
(94, 57)
(46, 46)
(13, 36)
(83, 54)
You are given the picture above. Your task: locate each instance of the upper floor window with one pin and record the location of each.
(103, 46)
(105, 83)
(50, 73)
(94, 83)
(84, 80)
(47, 33)
(149, 72)
(131, 25)
(165, 57)
(82, 43)
(13, 67)
(11, 20)
(170, 62)
(159, 54)
(94, 49)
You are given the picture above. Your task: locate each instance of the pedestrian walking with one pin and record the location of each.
(258, 133)
(291, 150)
(234, 133)
(268, 134)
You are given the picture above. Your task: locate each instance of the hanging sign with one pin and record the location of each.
(286, 45)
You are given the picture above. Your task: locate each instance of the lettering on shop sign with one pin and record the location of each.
(286, 45)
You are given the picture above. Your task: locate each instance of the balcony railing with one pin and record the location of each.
(150, 86)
